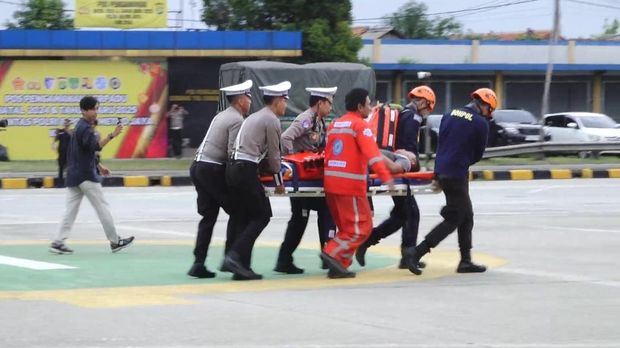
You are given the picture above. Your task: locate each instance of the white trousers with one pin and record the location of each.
(94, 193)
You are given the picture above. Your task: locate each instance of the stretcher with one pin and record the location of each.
(303, 177)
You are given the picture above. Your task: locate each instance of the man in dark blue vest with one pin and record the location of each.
(461, 142)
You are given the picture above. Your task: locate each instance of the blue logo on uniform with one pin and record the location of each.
(338, 147)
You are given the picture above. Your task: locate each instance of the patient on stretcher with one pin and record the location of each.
(400, 161)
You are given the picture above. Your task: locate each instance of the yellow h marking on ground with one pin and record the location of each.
(521, 174)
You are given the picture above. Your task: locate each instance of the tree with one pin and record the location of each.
(411, 21)
(324, 23)
(42, 14)
(610, 30)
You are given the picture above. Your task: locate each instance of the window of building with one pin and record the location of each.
(611, 102)
(564, 96)
(384, 91)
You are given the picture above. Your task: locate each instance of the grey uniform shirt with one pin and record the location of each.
(399, 159)
(176, 119)
(218, 144)
(304, 134)
(259, 138)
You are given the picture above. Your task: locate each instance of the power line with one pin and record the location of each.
(593, 4)
(10, 3)
(452, 12)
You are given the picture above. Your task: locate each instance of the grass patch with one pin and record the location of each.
(113, 164)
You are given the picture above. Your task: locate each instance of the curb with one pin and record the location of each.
(180, 180)
(528, 174)
(111, 181)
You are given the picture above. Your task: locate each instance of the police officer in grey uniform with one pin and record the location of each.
(257, 146)
(306, 133)
(208, 171)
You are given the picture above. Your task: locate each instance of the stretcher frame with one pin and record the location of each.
(404, 184)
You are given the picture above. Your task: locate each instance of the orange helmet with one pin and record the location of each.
(424, 92)
(486, 95)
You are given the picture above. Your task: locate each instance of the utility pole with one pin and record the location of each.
(552, 43)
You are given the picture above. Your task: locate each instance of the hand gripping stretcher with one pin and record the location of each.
(303, 177)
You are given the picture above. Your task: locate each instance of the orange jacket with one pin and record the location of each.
(350, 149)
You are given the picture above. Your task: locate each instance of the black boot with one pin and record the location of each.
(466, 266)
(288, 268)
(253, 276)
(413, 255)
(403, 262)
(360, 253)
(336, 269)
(233, 263)
(199, 270)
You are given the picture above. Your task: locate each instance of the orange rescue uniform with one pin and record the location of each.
(350, 149)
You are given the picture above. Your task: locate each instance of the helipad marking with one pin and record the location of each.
(441, 263)
(31, 264)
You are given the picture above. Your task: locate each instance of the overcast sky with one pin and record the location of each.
(580, 18)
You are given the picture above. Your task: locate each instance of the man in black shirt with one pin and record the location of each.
(61, 144)
(82, 179)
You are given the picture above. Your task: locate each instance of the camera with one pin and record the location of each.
(4, 123)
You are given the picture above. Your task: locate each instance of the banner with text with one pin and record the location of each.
(38, 95)
(125, 14)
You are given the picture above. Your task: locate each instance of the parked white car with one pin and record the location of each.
(581, 127)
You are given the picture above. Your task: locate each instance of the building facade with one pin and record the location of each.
(586, 74)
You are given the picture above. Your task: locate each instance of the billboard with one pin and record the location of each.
(37, 95)
(126, 14)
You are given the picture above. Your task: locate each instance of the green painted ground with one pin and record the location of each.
(141, 265)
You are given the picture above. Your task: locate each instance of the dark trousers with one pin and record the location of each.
(458, 214)
(300, 209)
(62, 165)
(210, 184)
(250, 208)
(176, 138)
(405, 215)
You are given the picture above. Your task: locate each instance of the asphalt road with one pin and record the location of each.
(552, 247)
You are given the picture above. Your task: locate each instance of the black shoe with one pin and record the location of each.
(360, 254)
(337, 275)
(466, 266)
(60, 248)
(289, 268)
(232, 263)
(324, 265)
(122, 244)
(403, 264)
(336, 269)
(237, 276)
(412, 259)
(199, 270)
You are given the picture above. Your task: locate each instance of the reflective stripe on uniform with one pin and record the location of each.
(345, 245)
(345, 175)
(375, 160)
(204, 141)
(246, 157)
(209, 160)
(342, 131)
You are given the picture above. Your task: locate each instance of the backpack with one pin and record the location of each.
(384, 124)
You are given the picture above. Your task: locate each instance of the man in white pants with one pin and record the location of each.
(82, 179)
